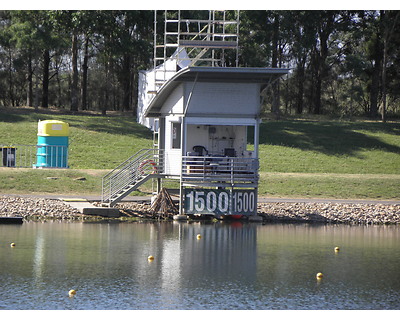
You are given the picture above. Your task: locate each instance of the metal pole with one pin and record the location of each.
(155, 39)
(237, 39)
(183, 148)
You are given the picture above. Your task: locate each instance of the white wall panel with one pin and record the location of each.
(174, 103)
(223, 98)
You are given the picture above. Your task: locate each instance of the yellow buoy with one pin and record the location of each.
(12, 244)
(337, 249)
(319, 275)
(150, 258)
(72, 292)
(198, 236)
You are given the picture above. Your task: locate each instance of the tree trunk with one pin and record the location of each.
(29, 91)
(85, 74)
(36, 96)
(275, 54)
(317, 97)
(300, 85)
(325, 29)
(386, 39)
(374, 94)
(74, 84)
(320, 72)
(45, 80)
(377, 72)
(10, 79)
(314, 80)
(126, 76)
(134, 81)
(106, 90)
(60, 102)
(383, 111)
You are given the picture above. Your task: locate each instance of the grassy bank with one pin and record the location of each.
(330, 185)
(51, 181)
(330, 147)
(95, 141)
(298, 158)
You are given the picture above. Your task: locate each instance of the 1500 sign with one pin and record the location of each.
(222, 202)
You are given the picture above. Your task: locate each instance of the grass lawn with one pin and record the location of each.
(51, 181)
(95, 142)
(298, 158)
(330, 185)
(330, 147)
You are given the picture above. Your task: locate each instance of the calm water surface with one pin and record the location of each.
(233, 266)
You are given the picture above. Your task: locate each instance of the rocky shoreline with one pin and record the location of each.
(40, 209)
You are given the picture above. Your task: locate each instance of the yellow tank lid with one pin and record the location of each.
(53, 128)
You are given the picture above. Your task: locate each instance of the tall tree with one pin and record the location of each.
(85, 69)
(45, 82)
(67, 21)
(34, 34)
(325, 24)
(301, 31)
(390, 20)
(5, 51)
(24, 35)
(125, 47)
(342, 62)
(46, 33)
(376, 56)
(275, 62)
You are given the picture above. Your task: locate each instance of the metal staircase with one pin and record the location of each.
(132, 173)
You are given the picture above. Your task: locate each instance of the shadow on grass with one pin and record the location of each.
(4, 117)
(119, 125)
(331, 138)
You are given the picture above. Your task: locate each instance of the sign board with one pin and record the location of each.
(220, 201)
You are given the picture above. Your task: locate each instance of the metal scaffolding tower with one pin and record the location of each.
(194, 38)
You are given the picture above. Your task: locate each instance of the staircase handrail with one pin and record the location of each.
(129, 172)
(127, 161)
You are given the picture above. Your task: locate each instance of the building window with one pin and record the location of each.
(176, 135)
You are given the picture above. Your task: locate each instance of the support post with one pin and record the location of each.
(183, 148)
(256, 137)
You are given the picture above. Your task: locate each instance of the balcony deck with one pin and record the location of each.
(219, 171)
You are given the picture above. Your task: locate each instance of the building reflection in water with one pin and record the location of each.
(224, 252)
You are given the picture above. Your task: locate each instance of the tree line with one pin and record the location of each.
(343, 63)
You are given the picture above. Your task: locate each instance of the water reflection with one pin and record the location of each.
(233, 266)
(224, 249)
(361, 275)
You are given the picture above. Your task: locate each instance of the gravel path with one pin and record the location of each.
(33, 208)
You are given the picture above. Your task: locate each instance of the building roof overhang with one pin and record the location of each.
(212, 74)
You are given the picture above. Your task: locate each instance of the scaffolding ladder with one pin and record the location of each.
(194, 38)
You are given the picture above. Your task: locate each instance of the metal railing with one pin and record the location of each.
(36, 156)
(219, 170)
(131, 172)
